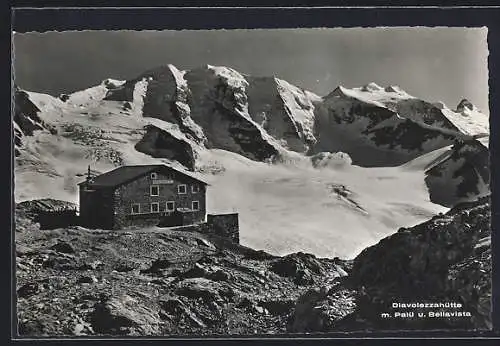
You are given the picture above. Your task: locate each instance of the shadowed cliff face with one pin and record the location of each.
(26, 119)
(159, 143)
(26, 113)
(219, 104)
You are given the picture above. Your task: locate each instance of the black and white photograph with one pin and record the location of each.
(251, 182)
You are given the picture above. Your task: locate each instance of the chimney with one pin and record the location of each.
(89, 177)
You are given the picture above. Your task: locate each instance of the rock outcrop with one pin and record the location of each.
(159, 143)
(26, 119)
(424, 264)
(446, 260)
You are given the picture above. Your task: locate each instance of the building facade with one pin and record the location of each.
(142, 196)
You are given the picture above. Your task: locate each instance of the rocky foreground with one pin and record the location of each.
(80, 282)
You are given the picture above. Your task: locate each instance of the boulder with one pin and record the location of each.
(300, 267)
(29, 289)
(157, 266)
(319, 310)
(205, 289)
(63, 247)
(124, 315)
(174, 308)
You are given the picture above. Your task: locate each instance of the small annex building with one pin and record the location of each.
(142, 195)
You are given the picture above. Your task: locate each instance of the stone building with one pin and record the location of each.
(142, 196)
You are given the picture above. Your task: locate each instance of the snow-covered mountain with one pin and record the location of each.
(299, 168)
(386, 126)
(461, 174)
(221, 108)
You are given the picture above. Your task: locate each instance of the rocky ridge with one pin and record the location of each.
(261, 117)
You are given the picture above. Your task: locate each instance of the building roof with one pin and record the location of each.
(124, 174)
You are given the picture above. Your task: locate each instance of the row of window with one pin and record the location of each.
(169, 206)
(181, 189)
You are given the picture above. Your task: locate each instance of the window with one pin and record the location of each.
(181, 189)
(155, 207)
(195, 188)
(155, 190)
(154, 176)
(170, 206)
(195, 205)
(136, 208)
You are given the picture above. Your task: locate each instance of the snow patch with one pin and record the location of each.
(233, 78)
(429, 160)
(88, 97)
(372, 86)
(374, 94)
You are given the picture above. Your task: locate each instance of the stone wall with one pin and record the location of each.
(139, 221)
(138, 191)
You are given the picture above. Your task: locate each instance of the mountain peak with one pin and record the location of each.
(372, 86)
(338, 91)
(394, 89)
(465, 104)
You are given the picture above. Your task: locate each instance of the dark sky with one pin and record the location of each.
(435, 64)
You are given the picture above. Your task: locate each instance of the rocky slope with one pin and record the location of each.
(154, 282)
(444, 260)
(178, 282)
